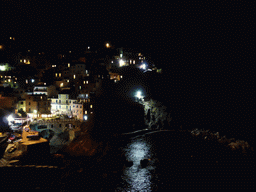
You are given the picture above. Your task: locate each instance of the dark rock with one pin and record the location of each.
(128, 163)
(144, 162)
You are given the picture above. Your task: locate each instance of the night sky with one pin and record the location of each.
(204, 47)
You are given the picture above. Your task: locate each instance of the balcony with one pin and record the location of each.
(41, 89)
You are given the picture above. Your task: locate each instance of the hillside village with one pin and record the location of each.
(39, 85)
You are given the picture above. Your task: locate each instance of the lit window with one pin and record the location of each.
(10, 37)
(85, 112)
(56, 74)
(121, 76)
(44, 83)
(130, 61)
(112, 61)
(21, 60)
(80, 87)
(41, 97)
(69, 51)
(61, 85)
(98, 75)
(68, 64)
(9, 80)
(121, 55)
(59, 74)
(68, 80)
(86, 71)
(88, 47)
(86, 82)
(26, 81)
(91, 106)
(74, 76)
(133, 61)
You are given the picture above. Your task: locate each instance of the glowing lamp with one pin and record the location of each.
(121, 62)
(2, 68)
(138, 95)
(143, 66)
(10, 118)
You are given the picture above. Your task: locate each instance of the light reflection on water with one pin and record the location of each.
(136, 178)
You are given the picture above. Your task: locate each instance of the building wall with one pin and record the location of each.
(22, 105)
(31, 105)
(7, 102)
(77, 110)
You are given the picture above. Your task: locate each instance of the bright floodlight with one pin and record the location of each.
(10, 118)
(121, 62)
(138, 95)
(143, 66)
(2, 68)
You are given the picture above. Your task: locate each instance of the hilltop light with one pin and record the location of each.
(138, 95)
(121, 62)
(143, 66)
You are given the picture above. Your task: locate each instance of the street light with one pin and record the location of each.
(139, 95)
(121, 62)
(10, 119)
(143, 66)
